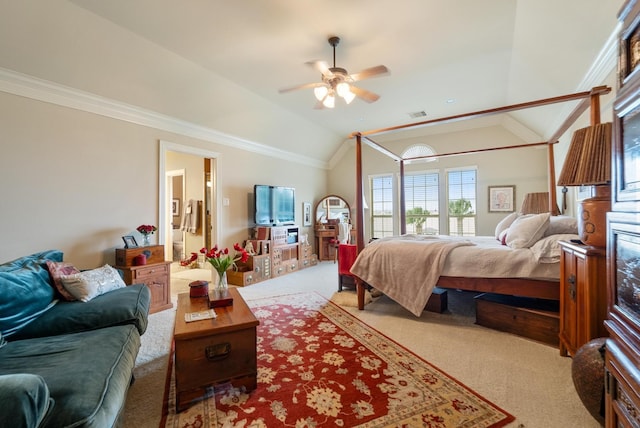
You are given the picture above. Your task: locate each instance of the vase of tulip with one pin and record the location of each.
(221, 261)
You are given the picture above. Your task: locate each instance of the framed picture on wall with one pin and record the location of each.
(175, 206)
(501, 199)
(306, 214)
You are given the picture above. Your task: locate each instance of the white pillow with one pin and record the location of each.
(505, 223)
(86, 285)
(562, 224)
(547, 249)
(527, 229)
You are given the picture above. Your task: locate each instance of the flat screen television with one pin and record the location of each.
(274, 205)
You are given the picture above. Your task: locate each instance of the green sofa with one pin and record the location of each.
(62, 363)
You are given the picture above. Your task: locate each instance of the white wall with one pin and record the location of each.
(526, 168)
(78, 181)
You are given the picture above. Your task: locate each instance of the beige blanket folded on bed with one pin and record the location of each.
(394, 267)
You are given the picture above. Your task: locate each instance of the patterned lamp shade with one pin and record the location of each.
(588, 160)
(588, 163)
(536, 203)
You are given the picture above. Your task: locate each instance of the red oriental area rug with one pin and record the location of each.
(319, 366)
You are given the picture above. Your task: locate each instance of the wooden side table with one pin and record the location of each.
(583, 295)
(214, 351)
(156, 276)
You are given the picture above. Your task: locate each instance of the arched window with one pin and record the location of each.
(418, 150)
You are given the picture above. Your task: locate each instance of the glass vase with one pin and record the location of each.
(146, 240)
(221, 281)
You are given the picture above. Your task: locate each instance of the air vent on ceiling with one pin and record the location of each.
(417, 114)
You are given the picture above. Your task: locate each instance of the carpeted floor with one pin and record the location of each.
(318, 366)
(527, 378)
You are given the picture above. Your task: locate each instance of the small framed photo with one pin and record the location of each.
(501, 199)
(129, 242)
(175, 206)
(306, 214)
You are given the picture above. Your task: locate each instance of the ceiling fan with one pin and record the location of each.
(337, 82)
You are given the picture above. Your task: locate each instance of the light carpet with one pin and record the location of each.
(350, 298)
(320, 366)
(529, 379)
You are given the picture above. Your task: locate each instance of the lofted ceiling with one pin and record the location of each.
(445, 57)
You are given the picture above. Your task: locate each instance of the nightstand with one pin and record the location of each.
(583, 295)
(155, 274)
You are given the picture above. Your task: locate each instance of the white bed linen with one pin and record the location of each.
(488, 258)
(396, 265)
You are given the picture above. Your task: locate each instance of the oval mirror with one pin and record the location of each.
(332, 209)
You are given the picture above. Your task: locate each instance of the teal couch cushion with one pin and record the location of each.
(128, 305)
(24, 400)
(25, 290)
(88, 373)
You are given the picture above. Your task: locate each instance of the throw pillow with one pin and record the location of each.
(526, 230)
(503, 236)
(505, 223)
(86, 285)
(26, 291)
(57, 270)
(547, 249)
(562, 224)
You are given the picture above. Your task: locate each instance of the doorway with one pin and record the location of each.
(176, 199)
(196, 183)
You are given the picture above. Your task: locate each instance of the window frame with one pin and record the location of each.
(474, 203)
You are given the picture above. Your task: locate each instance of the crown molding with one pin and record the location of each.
(604, 64)
(24, 85)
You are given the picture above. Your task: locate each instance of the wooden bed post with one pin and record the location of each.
(403, 207)
(359, 216)
(553, 205)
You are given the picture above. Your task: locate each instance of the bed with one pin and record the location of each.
(384, 269)
(407, 268)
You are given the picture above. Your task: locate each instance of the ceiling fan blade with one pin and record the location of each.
(369, 97)
(319, 106)
(368, 73)
(305, 86)
(321, 66)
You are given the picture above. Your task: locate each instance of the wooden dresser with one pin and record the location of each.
(583, 295)
(155, 274)
(622, 358)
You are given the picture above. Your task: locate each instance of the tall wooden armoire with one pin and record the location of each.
(622, 361)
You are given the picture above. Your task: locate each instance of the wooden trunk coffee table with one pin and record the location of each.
(213, 351)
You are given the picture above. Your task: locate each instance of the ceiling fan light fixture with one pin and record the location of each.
(348, 97)
(320, 92)
(337, 82)
(343, 89)
(329, 101)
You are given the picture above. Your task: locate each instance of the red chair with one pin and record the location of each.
(347, 254)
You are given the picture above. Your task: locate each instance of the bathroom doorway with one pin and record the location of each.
(176, 192)
(198, 185)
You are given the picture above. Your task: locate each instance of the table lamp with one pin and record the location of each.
(536, 203)
(588, 163)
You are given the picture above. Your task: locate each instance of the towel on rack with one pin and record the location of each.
(191, 217)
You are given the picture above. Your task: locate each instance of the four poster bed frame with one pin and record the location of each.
(526, 287)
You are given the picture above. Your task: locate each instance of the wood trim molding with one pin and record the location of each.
(24, 85)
